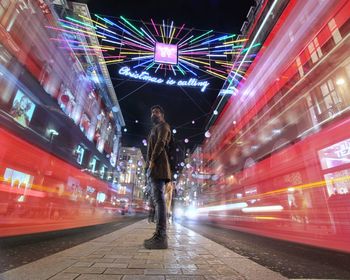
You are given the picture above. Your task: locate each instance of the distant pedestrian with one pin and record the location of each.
(158, 170)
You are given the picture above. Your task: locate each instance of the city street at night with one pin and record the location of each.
(202, 140)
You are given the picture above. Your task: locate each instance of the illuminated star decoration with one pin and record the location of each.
(165, 47)
(158, 47)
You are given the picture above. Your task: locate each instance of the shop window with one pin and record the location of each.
(329, 89)
(331, 99)
(300, 67)
(315, 50)
(332, 25)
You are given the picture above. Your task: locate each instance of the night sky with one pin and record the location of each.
(182, 105)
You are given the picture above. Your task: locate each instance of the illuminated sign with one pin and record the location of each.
(165, 53)
(18, 179)
(79, 151)
(335, 155)
(145, 76)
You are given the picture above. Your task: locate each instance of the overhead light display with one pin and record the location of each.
(160, 53)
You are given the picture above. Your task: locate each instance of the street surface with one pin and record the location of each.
(17, 251)
(290, 259)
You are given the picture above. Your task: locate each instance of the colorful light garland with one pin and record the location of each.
(139, 44)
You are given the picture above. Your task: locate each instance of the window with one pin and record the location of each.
(330, 97)
(300, 67)
(4, 4)
(335, 31)
(312, 110)
(315, 50)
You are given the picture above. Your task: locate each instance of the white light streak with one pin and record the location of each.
(272, 208)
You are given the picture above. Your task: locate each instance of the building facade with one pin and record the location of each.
(72, 106)
(132, 175)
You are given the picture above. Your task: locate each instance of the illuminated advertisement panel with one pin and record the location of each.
(165, 53)
(335, 155)
(18, 179)
(22, 109)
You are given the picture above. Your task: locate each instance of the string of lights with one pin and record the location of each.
(158, 47)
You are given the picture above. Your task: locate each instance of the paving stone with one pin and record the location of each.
(137, 262)
(83, 264)
(98, 277)
(65, 276)
(199, 271)
(145, 265)
(110, 265)
(143, 277)
(231, 277)
(185, 277)
(214, 262)
(124, 271)
(177, 265)
(105, 260)
(129, 261)
(164, 271)
(85, 270)
(120, 255)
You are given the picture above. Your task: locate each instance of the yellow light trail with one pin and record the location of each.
(94, 21)
(161, 32)
(239, 71)
(265, 218)
(231, 52)
(235, 41)
(216, 74)
(83, 31)
(312, 185)
(146, 53)
(223, 62)
(112, 61)
(99, 47)
(195, 60)
(172, 35)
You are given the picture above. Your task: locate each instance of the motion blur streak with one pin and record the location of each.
(272, 208)
(223, 207)
(281, 144)
(60, 122)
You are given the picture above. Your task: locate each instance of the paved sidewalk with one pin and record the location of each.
(121, 255)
